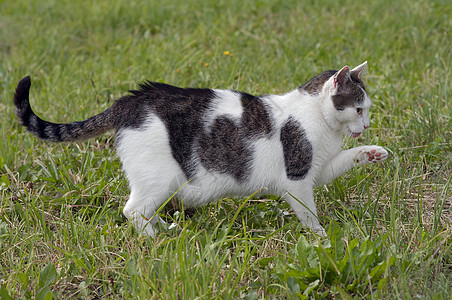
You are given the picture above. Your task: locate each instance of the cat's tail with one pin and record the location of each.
(74, 131)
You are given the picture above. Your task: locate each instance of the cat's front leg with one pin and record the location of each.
(347, 159)
(302, 202)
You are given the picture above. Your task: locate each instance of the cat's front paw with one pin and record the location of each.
(370, 154)
(319, 231)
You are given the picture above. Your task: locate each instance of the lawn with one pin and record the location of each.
(62, 232)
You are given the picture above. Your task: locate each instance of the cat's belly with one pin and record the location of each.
(266, 175)
(200, 192)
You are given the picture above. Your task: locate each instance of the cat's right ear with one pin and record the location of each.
(341, 77)
(359, 70)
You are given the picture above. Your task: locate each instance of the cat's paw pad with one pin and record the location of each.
(371, 154)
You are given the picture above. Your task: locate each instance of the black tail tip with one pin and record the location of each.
(22, 90)
(24, 83)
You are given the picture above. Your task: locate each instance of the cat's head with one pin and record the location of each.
(346, 103)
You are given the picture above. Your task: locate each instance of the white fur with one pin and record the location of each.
(227, 103)
(154, 174)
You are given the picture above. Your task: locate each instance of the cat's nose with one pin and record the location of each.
(366, 126)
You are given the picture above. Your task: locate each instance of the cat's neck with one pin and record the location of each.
(310, 107)
(329, 112)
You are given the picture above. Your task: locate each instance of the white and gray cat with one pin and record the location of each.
(226, 143)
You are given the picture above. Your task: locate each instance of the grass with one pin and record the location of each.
(62, 233)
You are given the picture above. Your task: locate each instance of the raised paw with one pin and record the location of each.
(370, 154)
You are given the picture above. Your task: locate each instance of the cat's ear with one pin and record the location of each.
(359, 71)
(341, 77)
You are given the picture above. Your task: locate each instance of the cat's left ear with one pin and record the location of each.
(341, 77)
(359, 71)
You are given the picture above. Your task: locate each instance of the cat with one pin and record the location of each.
(207, 143)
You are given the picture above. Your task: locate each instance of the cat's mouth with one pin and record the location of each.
(354, 134)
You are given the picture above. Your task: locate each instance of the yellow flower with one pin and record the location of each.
(226, 53)
(206, 64)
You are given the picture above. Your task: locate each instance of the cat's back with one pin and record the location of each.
(191, 107)
(214, 129)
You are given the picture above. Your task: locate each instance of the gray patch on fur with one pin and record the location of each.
(315, 85)
(131, 111)
(349, 95)
(297, 150)
(225, 149)
(256, 121)
(357, 81)
(227, 146)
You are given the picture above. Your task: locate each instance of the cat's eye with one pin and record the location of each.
(359, 110)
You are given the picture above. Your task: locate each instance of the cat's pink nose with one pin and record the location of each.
(366, 126)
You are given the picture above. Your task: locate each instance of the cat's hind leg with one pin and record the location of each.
(151, 170)
(140, 209)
